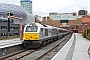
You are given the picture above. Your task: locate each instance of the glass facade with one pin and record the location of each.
(17, 11)
(27, 5)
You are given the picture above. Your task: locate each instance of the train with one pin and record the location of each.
(36, 35)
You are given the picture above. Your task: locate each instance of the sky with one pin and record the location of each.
(43, 7)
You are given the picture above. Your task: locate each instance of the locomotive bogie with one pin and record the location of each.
(31, 44)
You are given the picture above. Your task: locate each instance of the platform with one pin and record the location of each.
(9, 42)
(75, 49)
(10, 46)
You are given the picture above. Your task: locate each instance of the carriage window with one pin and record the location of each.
(41, 30)
(31, 28)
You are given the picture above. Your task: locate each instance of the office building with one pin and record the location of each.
(27, 5)
(82, 12)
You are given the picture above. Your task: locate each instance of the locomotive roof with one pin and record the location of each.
(39, 25)
(49, 26)
(44, 26)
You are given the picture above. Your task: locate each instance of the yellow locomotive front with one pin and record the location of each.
(31, 36)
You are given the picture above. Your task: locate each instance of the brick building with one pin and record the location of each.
(48, 21)
(69, 20)
(71, 23)
(85, 22)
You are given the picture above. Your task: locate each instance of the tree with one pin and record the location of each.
(89, 35)
(84, 35)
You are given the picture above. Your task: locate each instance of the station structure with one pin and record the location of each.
(71, 21)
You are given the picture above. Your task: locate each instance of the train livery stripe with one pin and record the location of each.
(31, 36)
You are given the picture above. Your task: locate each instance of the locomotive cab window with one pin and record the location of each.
(31, 29)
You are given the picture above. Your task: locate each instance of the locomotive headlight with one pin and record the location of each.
(23, 38)
(38, 41)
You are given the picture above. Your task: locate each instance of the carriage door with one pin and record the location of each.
(49, 32)
(41, 33)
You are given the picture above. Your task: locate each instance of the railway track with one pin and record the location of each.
(50, 54)
(36, 54)
(16, 55)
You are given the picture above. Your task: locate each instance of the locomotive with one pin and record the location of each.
(36, 35)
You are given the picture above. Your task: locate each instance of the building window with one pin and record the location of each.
(15, 33)
(3, 34)
(3, 27)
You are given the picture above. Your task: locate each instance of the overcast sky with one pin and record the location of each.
(43, 7)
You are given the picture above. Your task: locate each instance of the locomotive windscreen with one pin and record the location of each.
(31, 29)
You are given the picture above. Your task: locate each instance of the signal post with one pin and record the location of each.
(20, 24)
